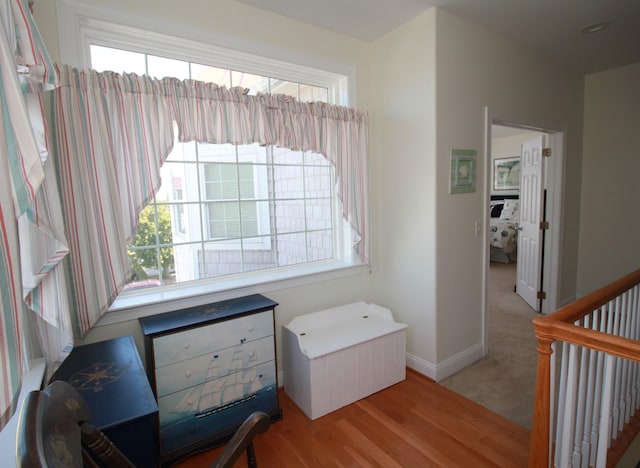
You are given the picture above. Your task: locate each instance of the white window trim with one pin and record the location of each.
(143, 303)
(80, 25)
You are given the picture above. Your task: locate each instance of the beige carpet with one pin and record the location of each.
(504, 380)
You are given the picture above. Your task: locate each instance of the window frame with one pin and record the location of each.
(85, 25)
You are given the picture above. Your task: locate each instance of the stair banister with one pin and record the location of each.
(563, 326)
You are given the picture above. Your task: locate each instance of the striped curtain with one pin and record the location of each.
(208, 113)
(113, 132)
(24, 68)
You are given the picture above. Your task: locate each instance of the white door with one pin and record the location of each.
(531, 210)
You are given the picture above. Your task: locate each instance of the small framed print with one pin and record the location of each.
(463, 171)
(506, 173)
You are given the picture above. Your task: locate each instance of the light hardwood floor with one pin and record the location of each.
(415, 423)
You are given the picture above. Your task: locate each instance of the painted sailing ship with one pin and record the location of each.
(218, 393)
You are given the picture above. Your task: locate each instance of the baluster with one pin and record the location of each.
(591, 384)
(617, 376)
(581, 401)
(552, 390)
(568, 426)
(606, 416)
(595, 425)
(635, 312)
(626, 367)
(562, 401)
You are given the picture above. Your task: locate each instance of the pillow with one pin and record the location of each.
(511, 210)
(496, 210)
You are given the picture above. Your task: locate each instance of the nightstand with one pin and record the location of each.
(111, 379)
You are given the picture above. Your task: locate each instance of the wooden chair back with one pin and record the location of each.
(52, 431)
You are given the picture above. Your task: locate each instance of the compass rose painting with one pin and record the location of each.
(97, 376)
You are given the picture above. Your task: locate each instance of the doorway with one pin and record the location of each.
(516, 205)
(553, 176)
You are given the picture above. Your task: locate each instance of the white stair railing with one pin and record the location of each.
(597, 339)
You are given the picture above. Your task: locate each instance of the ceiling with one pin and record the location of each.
(549, 27)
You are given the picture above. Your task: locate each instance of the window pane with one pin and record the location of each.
(220, 76)
(320, 246)
(119, 61)
(288, 181)
(287, 156)
(182, 151)
(318, 181)
(216, 153)
(249, 219)
(290, 216)
(310, 93)
(255, 83)
(254, 260)
(186, 263)
(252, 153)
(284, 87)
(221, 181)
(155, 264)
(224, 220)
(216, 260)
(319, 214)
(161, 67)
(246, 181)
(292, 249)
(316, 159)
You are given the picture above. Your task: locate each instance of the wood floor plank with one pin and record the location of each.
(415, 423)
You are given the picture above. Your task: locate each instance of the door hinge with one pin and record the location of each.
(544, 225)
(541, 295)
(546, 152)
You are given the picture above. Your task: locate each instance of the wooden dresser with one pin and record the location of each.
(110, 377)
(210, 367)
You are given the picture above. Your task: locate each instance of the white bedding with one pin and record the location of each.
(503, 230)
(503, 235)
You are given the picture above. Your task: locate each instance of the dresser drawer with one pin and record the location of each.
(169, 349)
(216, 396)
(189, 429)
(192, 372)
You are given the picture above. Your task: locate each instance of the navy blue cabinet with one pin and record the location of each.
(210, 367)
(110, 377)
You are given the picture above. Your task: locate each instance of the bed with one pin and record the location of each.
(503, 228)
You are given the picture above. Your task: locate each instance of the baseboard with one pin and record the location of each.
(447, 367)
(459, 361)
(420, 365)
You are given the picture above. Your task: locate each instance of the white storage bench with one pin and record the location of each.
(337, 356)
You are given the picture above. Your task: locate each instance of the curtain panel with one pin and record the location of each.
(113, 132)
(25, 71)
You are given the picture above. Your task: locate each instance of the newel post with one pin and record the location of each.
(539, 448)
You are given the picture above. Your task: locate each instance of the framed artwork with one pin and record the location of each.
(463, 171)
(506, 173)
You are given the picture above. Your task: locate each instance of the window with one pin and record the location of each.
(231, 209)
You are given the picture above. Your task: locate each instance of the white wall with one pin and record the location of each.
(430, 261)
(404, 183)
(476, 68)
(609, 217)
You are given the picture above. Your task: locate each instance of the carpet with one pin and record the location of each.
(504, 380)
